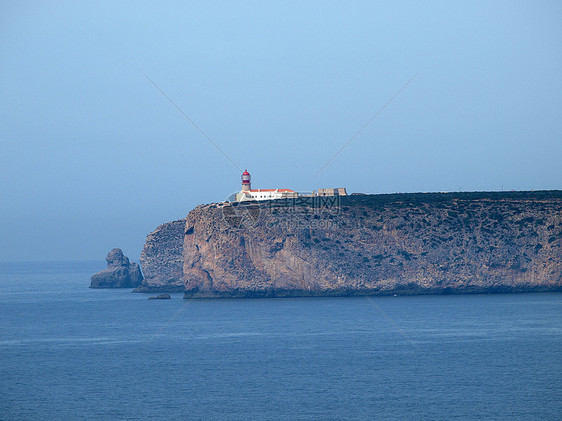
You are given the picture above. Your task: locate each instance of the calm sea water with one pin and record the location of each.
(69, 352)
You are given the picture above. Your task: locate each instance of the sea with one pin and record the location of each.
(68, 352)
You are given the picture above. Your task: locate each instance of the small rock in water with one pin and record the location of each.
(160, 297)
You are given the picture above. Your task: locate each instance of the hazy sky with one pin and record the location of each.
(93, 156)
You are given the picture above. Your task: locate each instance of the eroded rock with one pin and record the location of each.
(162, 259)
(120, 273)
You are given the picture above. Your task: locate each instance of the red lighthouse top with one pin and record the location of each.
(246, 177)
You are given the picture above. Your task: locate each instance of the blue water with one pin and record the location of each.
(69, 352)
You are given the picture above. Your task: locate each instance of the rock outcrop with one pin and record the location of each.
(162, 259)
(161, 297)
(427, 243)
(120, 273)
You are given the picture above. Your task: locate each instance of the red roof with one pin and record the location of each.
(274, 190)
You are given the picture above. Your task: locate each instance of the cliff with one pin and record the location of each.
(162, 259)
(370, 244)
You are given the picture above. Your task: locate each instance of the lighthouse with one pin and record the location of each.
(246, 181)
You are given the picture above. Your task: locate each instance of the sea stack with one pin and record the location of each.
(120, 273)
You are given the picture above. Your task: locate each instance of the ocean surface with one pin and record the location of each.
(68, 352)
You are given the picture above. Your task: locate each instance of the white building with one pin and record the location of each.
(247, 193)
(265, 194)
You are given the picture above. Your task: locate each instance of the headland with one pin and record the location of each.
(410, 243)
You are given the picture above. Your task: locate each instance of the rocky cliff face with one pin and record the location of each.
(162, 259)
(376, 244)
(120, 273)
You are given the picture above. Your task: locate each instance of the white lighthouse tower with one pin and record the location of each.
(246, 181)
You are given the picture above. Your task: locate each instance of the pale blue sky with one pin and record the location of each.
(95, 157)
